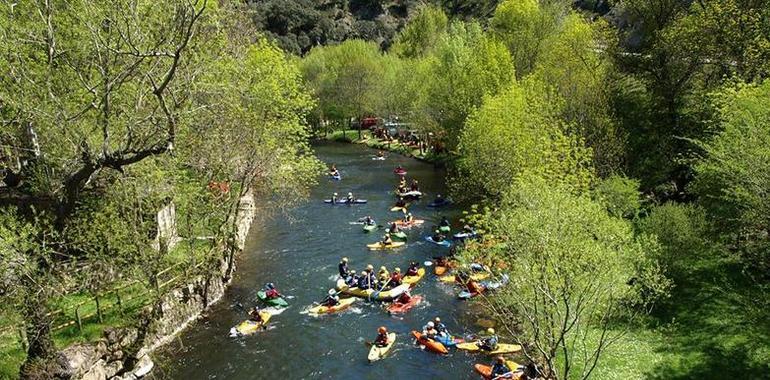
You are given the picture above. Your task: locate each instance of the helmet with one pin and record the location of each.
(350, 194)
(500, 359)
(383, 269)
(331, 292)
(490, 331)
(335, 194)
(438, 319)
(397, 269)
(363, 272)
(344, 259)
(369, 267)
(409, 214)
(430, 324)
(270, 285)
(382, 330)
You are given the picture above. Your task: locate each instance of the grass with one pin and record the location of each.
(707, 330)
(351, 136)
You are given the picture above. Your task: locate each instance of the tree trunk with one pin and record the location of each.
(41, 360)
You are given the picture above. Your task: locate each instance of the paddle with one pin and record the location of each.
(503, 376)
(428, 263)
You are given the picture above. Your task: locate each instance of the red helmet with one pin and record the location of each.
(382, 330)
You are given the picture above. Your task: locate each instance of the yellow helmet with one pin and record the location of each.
(490, 331)
(397, 269)
(344, 259)
(369, 267)
(383, 269)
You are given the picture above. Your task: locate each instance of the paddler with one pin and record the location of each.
(351, 279)
(364, 281)
(393, 228)
(438, 236)
(380, 154)
(401, 189)
(350, 198)
(439, 200)
(369, 221)
(254, 315)
(441, 261)
(271, 292)
(383, 275)
(333, 171)
(332, 299)
(488, 342)
(334, 198)
(440, 327)
(405, 297)
(414, 186)
(382, 337)
(402, 182)
(500, 369)
(444, 222)
(413, 269)
(387, 240)
(343, 267)
(408, 218)
(429, 331)
(395, 277)
(401, 202)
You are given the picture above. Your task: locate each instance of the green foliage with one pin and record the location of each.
(619, 194)
(523, 26)
(419, 36)
(513, 135)
(733, 177)
(566, 247)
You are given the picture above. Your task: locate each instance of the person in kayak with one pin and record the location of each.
(500, 369)
(393, 228)
(439, 200)
(334, 198)
(401, 202)
(488, 342)
(438, 236)
(413, 269)
(350, 198)
(383, 275)
(441, 261)
(343, 267)
(364, 281)
(395, 277)
(271, 292)
(380, 154)
(333, 171)
(405, 297)
(382, 337)
(402, 182)
(429, 331)
(414, 186)
(444, 222)
(387, 240)
(254, 315)
(440, 327)
(351, 279)
(401, 189)
(332, 299)
(408, 218)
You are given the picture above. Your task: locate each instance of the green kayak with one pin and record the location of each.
(444, 229)
(401, 235)
(369, 228)
(273, 302)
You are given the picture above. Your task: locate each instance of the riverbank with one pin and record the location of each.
(410, 151)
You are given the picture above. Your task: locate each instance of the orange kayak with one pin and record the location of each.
(486, 371)
(430, 344)
(396, 307)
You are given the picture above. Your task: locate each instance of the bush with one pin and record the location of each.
(620, 195)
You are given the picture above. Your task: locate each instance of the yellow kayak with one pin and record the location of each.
(249, 327)
(375, 295)
(377, 352)
(344, 304)
(412, 280)
(396, 209)
(378, 245)
(474, 277)
(502, 348)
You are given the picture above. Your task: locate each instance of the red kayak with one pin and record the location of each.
(430, 344)
(399, 171)
(398, 308)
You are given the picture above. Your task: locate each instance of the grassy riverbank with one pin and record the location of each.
(351, 136)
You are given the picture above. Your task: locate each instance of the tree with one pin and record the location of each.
(419, 36)
(516, 134)
(732, 177)
(576, 271)
(524, 26)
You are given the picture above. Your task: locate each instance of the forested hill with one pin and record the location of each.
(298, 25)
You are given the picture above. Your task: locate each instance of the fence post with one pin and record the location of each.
(98, 308)
(119, 302)
(77, 319)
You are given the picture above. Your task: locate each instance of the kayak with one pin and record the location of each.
(436, 203)
(403, 224)
(448, 340)
(410, 194)
(486, 370)
(397, 208)
(399, 308)
(379, 158)
(321, 309)
(249, 327)
(412, 280)
(398, 171)
(398, 235)
(378, 245)
(445, 229)
(439, 270)
(464, 295)
(474, 277)
(502, 348)
(273, 302)
(336, 177)
(375, 295)
(445, 243)
(377, 352)
(369, 227)
(430, 344)
(345, 201)
(464, 235)
(485, 285)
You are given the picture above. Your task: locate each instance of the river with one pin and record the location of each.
(300, 255)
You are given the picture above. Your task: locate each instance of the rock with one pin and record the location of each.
(112, 368)
(97, 372)
(128, 337)
(81, 357)
(143, 367)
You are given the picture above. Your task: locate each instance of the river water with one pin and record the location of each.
(299, 253)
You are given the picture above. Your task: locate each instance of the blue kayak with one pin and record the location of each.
(444, 243)
(345, 201)
(337, 177)
(448, 340)
(439, 203)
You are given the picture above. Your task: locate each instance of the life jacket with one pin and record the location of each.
(343, 269)
(382, 339)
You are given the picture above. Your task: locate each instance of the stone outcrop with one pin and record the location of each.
(105, 358)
